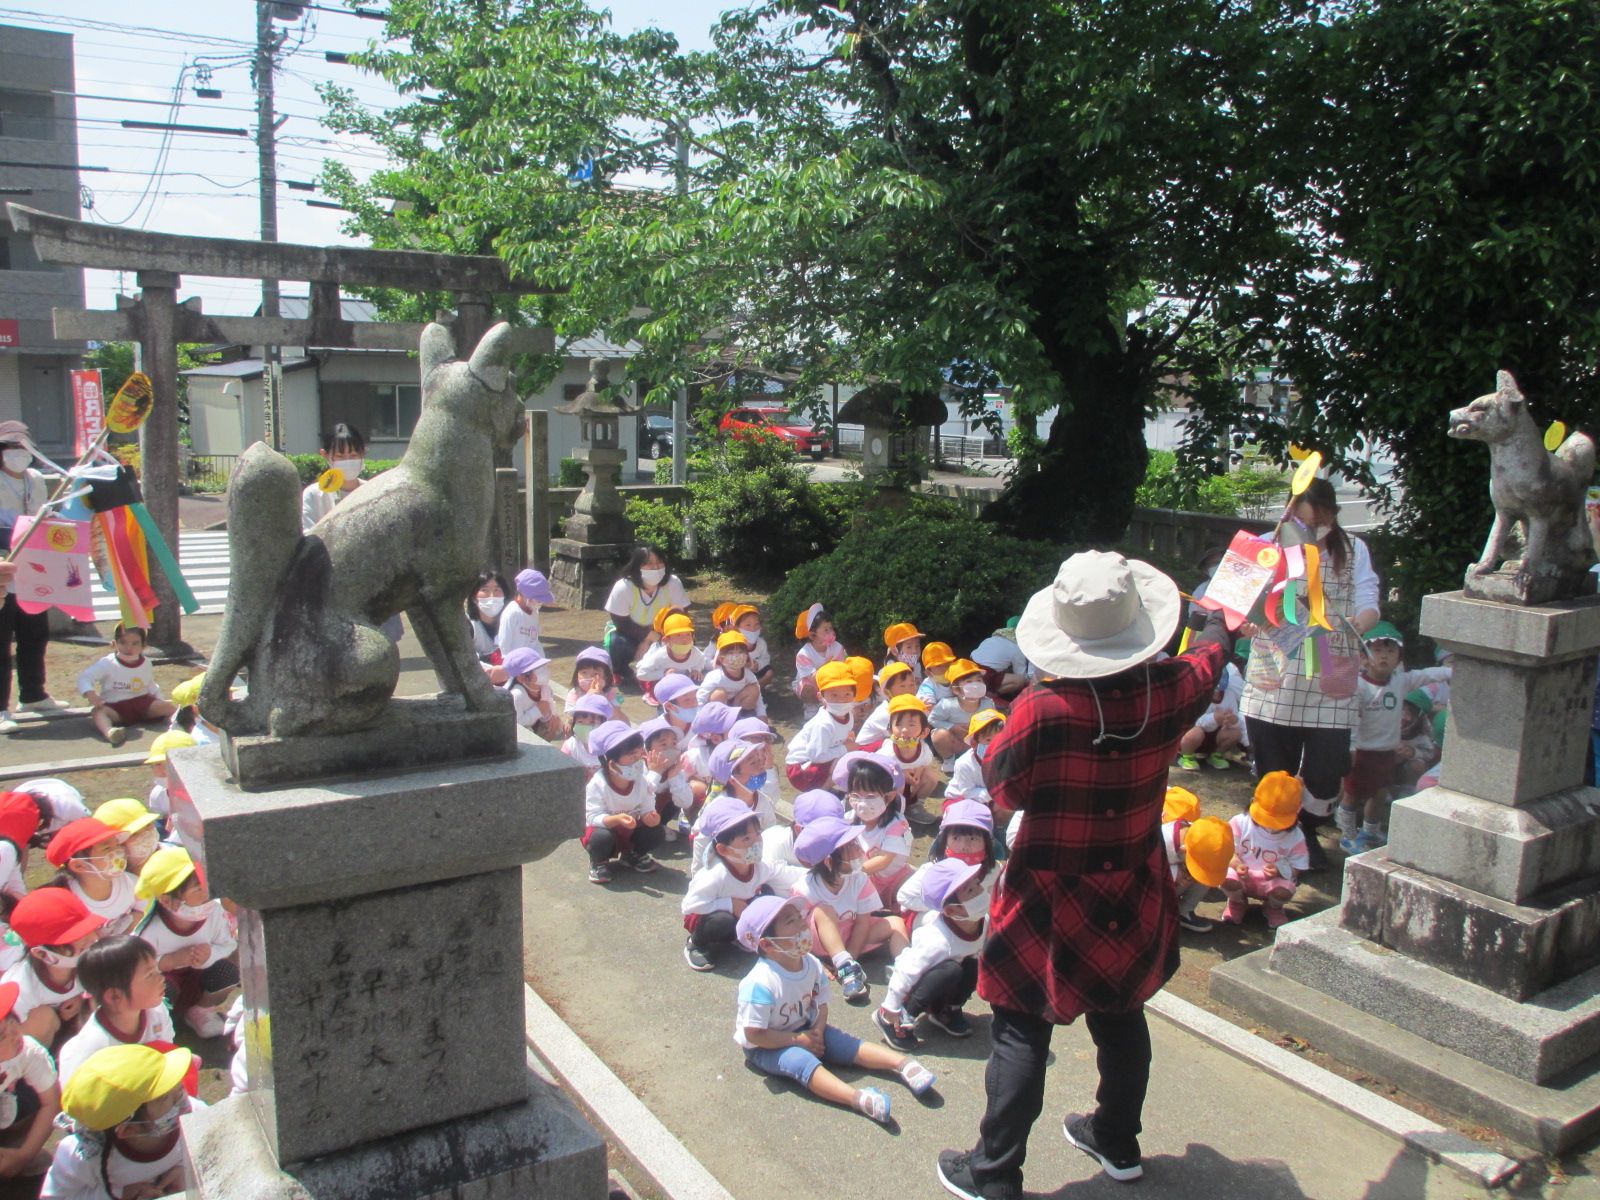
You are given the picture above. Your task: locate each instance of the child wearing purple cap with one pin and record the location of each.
(844, 904)
(777, 843)
(938, 972)
(737, 771)
(528, 682)
(782, 1022)
(713, 724)
(619, 810)
(679, 704)
(966, 834)
(592, 675)
(519, 623)
(664, 774)
(871, 786)
(734, 876)
(587, 715)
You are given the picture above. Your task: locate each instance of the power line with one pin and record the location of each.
(187, 35)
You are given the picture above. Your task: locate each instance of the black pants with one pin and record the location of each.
(32, 631)
(622, 648)
(1014, 1082)
(949, 984)
(1320, 757)
(603, 845)
(714, 929)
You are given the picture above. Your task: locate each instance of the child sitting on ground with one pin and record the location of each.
(678, 700)
(712, 725)
(157, 801)
(619, 809)
(586, 715)
(123, 1105)
(533, 699)
(871, 786)
(904, 642)
(59, 804)
(908, 746)
(1219, 731)
(674, 654)
(719, 891)
(732, 680)
(777, 843)
(1269, 851)
(936, 660)
(520, 625)
(30, 1096)
(843, 903)
(19, 821)
(966, 834)
(782, 1023)
(1417, 752)
(187, 718)
(56, 928)
(192, 937)
(94, 867)
(966, 776)
(819, 645)
(896, 679)
(664, 776)
(952, 717)
(122, 688)
(938, 972)
(747, 620)
(129, 992)
(136, 829)
(592, 674)
(829, 733)
(1199, 850)
(1377, 738)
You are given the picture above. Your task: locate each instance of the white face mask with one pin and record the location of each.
(977, 908)
(632, 772)
(973, 689)
(753, 636)
(868, 808)
(652, 576)
(193, 912)
(490, 607)
(142, 844)
(16, 460)
(51, 959)
(800, 943)
(852, 866)
(840, 709)
(351, 468)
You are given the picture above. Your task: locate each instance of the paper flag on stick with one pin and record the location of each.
(1244, 572)
(330, 480)
(131, 405)
(53, 570)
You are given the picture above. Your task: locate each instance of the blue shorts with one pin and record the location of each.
(798, 1064)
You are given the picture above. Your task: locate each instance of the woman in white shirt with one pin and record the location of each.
(22, 492)
(646, 586)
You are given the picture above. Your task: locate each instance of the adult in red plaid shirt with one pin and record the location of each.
(1085, 920)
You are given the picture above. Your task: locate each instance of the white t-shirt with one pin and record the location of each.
(316, 504)
(214, 931)
(35, 993)
(121, 910)
(659, 662)
(1000, 654)
(517, 629)
(20, 497)
(777, 851)
(75, 1170)
(530, 711)
(1256, 846)
(155, 1026)
(32, 1066)
(11, 880)
(714, 888)
(966, 780)
(718, 678)
(1232, 691)
(628, 601)
(114, 680)
(579, 753)
(876, 727)
(808, 658)
(821, 739)
(931, 691)
(856, 896)
(66, 802)
(601, 800)
(890, 837)
(948, 714)
(1381, 715)
(932, 942)
(922, 758)
(784, 1001)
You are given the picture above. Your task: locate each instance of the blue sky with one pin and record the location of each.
(130, 52)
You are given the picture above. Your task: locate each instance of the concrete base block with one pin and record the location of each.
(1551, 1117)
(582, 573)
(1512, 854)
(1534, 1041)
(541, 1147)
(412, 733)
(1515, 950)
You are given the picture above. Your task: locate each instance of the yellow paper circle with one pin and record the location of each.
(131, 405)
(1307, 472)
(1554, 436)
(330, 480)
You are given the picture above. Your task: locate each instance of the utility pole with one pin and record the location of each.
(267, 155)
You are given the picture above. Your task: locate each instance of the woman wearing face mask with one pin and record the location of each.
(122, 1108)
(619, 811)
(344, 449)
(1297, 727)
(645, 588)
(484, 606)
(22, 492)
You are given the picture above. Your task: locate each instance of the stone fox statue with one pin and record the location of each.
(1536, 492)
(304, 609)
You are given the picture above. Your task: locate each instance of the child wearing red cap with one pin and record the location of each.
(30, 1094)
(194, 942)
(122, 687)
(129, 992)
(619, 809)
(719, 891)
(19, 821)
(94, 867)
(56, 928)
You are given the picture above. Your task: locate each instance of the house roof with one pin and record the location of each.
(245, 368)
(298, 308)
(595, 346)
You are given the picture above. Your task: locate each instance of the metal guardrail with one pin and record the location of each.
(210, 472)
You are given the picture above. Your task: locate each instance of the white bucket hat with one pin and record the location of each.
(1103, 614)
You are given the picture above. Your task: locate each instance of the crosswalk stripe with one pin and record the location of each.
(204, 559)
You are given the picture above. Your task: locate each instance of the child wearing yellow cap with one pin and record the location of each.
(1269, 851)
(193, 940)
(123, 1106)
(1199, 851)
(896, 679)
(746, 619)
(936, 660)
(157, 801)
(188, 719)
(966, 776)
(829, 733)
(908, 745)
(952, 716)
(732, 678)
(819, 644)
(674, 654)
(904, 643)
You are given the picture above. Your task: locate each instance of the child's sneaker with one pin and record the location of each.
(1275, 914)
(952, 1020)
(116, 735)
(669, 833)
(1195, 923)
(853, 981)
(901, 1037)
(916, 1076)
(599, 873)
(1237, 907)
(1218, 763)
(695, 957)
(1359, 844)
(204, 1021)
(872, 1103)
(1188, 762)
(7, 725)
(641, 862)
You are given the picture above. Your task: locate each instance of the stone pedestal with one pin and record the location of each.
(582, 575)
(381, 949)
(1464, 962)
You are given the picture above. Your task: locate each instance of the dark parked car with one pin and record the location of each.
(655, 437)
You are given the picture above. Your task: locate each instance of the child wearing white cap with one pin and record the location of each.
(734, 876)
(619, 809)
(938, 972)
(519, 622)
(782, 1022)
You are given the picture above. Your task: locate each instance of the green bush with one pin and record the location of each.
(953, 577)
(1235, 494)
(659, 523)
(377, 466)
(312, 465)
(570, 473)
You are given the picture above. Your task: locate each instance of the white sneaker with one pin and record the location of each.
(204, 1021)
(7, 725)
(48, 704)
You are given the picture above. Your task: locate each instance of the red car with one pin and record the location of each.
(781, 424)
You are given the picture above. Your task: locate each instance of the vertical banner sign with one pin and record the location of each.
(272, 394)
(89, 409)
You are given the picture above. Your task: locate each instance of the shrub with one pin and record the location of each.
(659, 523)
(312, 465)
(570, 474)
(953, 577)
(1239, 492)
(377, 466)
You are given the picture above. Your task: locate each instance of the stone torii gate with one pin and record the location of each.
(158, 322)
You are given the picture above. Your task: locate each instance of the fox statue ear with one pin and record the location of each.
(490, 359)
(437, 348)
(1505, 386)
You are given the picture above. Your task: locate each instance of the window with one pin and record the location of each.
(30, 115)
(378, 410)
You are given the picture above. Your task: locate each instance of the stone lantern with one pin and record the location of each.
(586, 562)
(893, 422)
